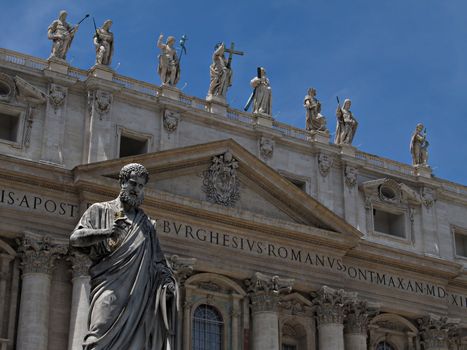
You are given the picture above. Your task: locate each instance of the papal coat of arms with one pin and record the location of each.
(220, 181)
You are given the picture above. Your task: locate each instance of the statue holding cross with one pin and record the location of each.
(220, 72)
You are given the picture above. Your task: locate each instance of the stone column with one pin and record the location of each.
(356, 326)
(80, 301)
(330, 310)
(5, 260)
(182, 268)
(435, 331)
(37, 255)
(264, 292)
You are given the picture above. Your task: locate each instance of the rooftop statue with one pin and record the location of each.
(346, 124)
(419, 146)
(315, 121)
(262, 94)
(220, 71)
(169, 64)
(104, 43)
(133, 291)
(61, 33)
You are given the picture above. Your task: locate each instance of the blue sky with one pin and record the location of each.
(400, 61)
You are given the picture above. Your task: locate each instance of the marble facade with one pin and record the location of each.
(308, 245)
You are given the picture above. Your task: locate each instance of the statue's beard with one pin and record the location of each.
(131, 200)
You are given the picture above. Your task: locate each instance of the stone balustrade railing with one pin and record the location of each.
(232, 114)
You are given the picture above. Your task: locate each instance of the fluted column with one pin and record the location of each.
(330, 311)
(435, 331)
(264, 292)
(79, 301)
(37, 256)
(356, 326)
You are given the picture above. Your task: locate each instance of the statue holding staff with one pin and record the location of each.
(346, 124)
(315, 121)
(169, 64)
(133, 290)
(61, 33)
(104, 43)
(419, 146)
(261, 95)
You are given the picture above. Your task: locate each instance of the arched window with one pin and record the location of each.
(384, 346)
(207, 328)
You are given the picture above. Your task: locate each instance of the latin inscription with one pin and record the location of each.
(302, 256)
(38, 203)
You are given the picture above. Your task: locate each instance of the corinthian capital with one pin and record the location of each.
(357, 317)
(435, 330)
(330, 304)
(38, 253)
(265, 291)
(80, 264)
(182, 267)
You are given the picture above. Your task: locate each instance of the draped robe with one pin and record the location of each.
(124, 281)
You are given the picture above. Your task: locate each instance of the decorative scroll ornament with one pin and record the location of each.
(7, 88)
(57, 95)
(170, 121)
(103, 102)
(350, 174)
(331, 304)
(38, 254)
(435, 331)
(324, 164)
(265, 291)
(428, 197)
(266, 147)
(220, 181)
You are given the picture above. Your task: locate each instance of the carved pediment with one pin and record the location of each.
(223, 178)
(390, 191)
(29, 93)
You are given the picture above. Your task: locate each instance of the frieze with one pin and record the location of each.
(309, 259)
(37, 203)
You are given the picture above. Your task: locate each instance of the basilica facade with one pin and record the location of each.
(279, 238)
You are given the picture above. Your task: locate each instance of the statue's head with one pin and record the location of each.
(170, 40)
(107, 24)
(62, 15)
(312, 91)
(133, 177)
(419, 127)
(263, 72)
(221, 44)
(347, 103)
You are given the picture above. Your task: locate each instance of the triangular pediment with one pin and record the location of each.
(179, 177)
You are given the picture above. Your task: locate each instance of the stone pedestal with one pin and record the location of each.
(319, 136)
(170, 92)
(264, 294)
(80, 301)
(58, 65)
(330, 315)
(422, 170)
(102, 72)
(217, 105)
(348, 150)
(263, 119)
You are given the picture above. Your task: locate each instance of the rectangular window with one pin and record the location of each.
(9, 125)
(300, 184)
(288, 347)
(461, 243)
(131, 146)
(389, 223)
